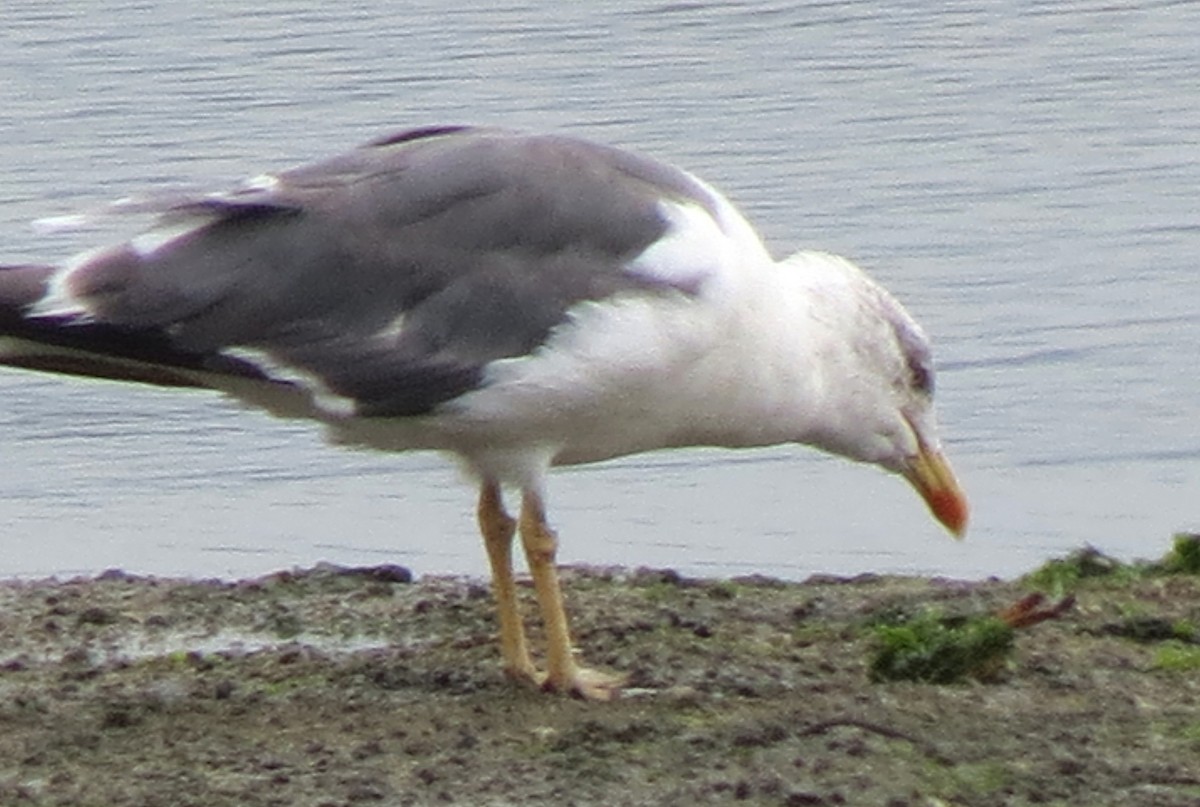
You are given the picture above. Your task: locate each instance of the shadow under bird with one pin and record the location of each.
(517, 300)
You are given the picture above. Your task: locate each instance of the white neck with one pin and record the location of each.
(770, 377)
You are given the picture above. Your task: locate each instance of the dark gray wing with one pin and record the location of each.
(394, 273)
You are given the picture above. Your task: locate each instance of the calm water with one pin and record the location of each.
(1023, 175)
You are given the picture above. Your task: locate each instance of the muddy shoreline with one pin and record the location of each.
(336, 686)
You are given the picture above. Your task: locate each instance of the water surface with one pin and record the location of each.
(1023, 175)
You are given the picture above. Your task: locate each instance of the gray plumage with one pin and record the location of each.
(477, 240)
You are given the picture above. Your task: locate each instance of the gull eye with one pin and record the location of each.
(914, 347)
(920, 375)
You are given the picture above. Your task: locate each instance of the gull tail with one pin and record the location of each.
(73, 344)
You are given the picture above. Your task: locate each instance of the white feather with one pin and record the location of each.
(326, 401)
(71, 222)
(692, 249)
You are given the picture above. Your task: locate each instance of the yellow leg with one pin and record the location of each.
(563, 674)
(498, 527)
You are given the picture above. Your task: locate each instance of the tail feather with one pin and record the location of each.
(73, 345)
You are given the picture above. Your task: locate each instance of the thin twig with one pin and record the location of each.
(1026, 611)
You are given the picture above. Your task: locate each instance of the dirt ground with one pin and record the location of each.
(358, 687)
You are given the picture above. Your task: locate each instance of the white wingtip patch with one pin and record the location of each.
(393, 329)
(92, 218)
(72, 222)
(254, 187)
(58, 301)
(324, 399)
(262, 182)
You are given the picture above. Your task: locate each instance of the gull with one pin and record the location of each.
(515, 300)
